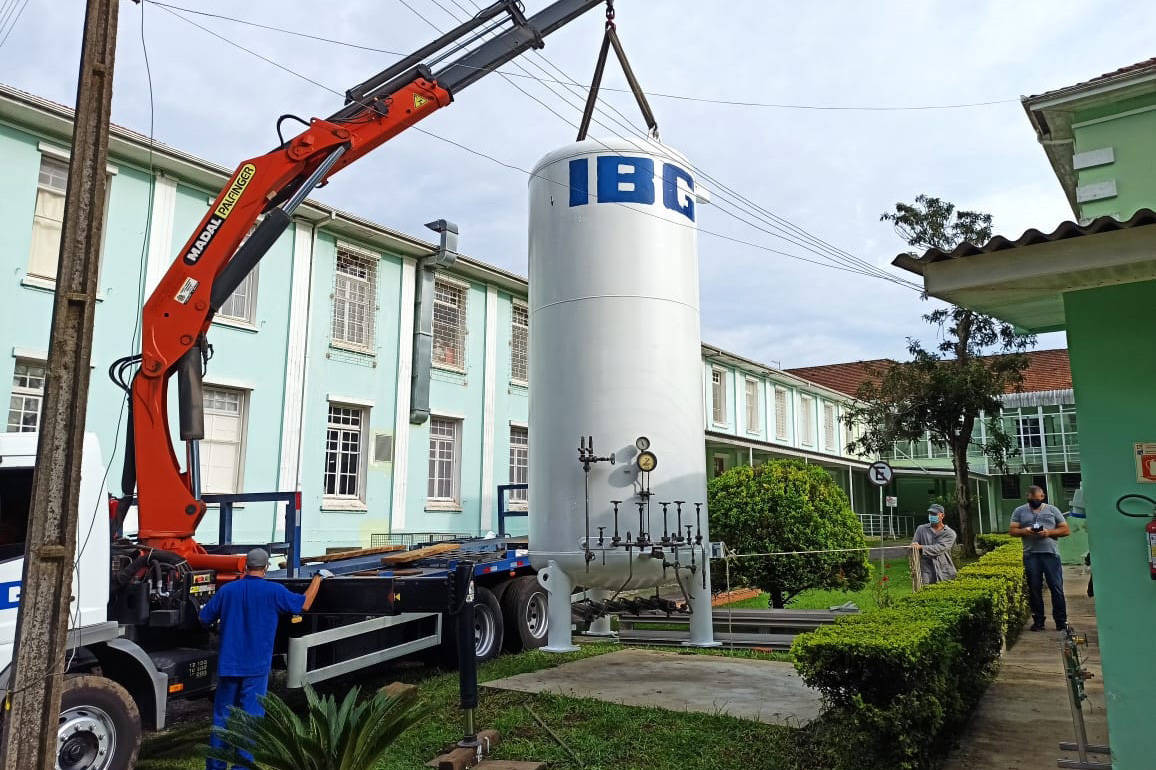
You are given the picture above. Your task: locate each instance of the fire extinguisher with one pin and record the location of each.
(1149, 530)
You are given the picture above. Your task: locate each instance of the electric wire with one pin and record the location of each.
(505, 164)
(658, 94)
(15, 21)
(804, 239)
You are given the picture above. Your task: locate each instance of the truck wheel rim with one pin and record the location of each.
(86, 739)
(484, 631)
(536, 617)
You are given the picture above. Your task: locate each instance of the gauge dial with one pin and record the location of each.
(642, 443)
(647, 461)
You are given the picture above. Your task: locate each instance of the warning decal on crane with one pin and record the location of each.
(419, 101)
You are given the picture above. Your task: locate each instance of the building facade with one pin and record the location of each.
(309, 387)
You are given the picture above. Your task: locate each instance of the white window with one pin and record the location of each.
(444, 461)
(830, 432)
(27, 397)
(449, 325)
(520, 344)
(344, 451)
(519, 462)
(753, 416)
(807, 420)
(49, 217)
(718, 396)
(242, 303)
(222, 457)
(354, 299)
(781, 432)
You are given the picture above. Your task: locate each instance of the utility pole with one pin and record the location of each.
(29, 740)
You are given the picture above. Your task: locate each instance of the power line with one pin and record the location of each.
(657, 94)
(497, 161)
(15, 20)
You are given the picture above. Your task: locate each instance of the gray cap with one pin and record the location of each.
(935, 508)
(258, 558)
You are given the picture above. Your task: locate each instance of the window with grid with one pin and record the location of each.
(519, 463)
(48, 217)
(807, 420)
(242, 303)
(753, 417)
(449, 325)
(27, 397)
(221, 455)
(830, 434)
(343, 452)
(444, 467)
(520, 345)
(354, 299)
(718, 397)
(1029, 433)
(781, 432)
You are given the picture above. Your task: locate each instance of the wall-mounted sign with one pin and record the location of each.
(1145, 462)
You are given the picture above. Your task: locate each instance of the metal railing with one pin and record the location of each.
(410, 539)
(887, 525)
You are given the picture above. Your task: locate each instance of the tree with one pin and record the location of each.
(787, 505)
(349, 736)
(944, 391)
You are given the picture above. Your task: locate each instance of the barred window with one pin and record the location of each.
(444, 465)
(519, 344)
(718, 396)
(449, 325)
(27, 397)
(519, 462)
(354, 299)
(753, 415)
(343, 452)
(781, 432)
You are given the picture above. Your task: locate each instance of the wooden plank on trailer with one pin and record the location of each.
(354, 554)
(420, 553)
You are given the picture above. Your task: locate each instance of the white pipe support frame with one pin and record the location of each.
(558, 590)
(701, 610)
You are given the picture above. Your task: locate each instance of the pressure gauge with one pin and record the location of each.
(642, 443)
(647, 461)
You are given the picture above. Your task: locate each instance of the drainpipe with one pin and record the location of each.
(427, 268)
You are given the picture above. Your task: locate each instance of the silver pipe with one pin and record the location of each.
(313, 180)
(193, 463)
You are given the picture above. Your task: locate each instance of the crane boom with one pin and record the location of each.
(217, 257)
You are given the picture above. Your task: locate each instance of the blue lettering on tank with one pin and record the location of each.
(9, 595)
(671, 175)
(579, 182)
(622, 179)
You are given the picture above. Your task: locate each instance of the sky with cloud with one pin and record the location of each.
(829, 172)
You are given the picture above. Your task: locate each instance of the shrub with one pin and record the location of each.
(787, 505)
(896, 679)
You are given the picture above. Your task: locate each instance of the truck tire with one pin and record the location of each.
(524, 610)
(489, 630)
(99, 726)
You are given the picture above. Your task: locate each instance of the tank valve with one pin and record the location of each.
(601, 538)
(665, 523)
(616, 540)
(678, 530)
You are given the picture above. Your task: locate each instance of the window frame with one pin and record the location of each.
(243, 396)
(454, 502)
(515, 327)
(783, 421)
(718, 405)
(250, 319)
(751, 387)
(463, 326)
(371, 261)
(830, 430)
(336, 500)
(60, 155)
(519, 461)
(26, 392)
(807, 412)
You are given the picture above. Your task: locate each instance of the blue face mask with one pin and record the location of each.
(933, 518)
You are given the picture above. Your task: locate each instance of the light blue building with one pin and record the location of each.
(310, 385)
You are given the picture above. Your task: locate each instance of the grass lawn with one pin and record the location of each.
(602, 736)
(898, 581)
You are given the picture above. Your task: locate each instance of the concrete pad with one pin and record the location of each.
(493, 764)
(759, 690)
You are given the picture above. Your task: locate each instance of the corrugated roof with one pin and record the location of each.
(1030, 237)
(1047, 370)
(1122, 72)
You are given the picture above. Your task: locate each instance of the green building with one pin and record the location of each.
(1095, 278)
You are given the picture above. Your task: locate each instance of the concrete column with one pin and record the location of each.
(160, 249)
(397, 504)
(293, 413)
(486, 519)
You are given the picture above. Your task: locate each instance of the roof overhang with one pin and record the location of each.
(766, 446)
(1024, 285)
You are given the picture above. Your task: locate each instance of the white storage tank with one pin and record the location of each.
(615, 355)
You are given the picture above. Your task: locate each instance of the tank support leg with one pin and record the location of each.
(601, 626)
(701, 617)
(558, 586)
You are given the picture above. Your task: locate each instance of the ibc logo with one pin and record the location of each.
(626, 179)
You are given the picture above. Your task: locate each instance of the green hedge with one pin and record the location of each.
(894, 679)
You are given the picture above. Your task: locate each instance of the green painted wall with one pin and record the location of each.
(1113, 349)
(1129, 128)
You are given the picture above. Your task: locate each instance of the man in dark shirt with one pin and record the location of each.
(1040, 525)
(248, 610)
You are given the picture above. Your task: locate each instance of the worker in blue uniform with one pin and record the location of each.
(248, 610)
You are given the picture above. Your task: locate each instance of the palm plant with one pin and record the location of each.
(330, 736)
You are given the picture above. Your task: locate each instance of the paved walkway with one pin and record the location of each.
(1025, 712)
